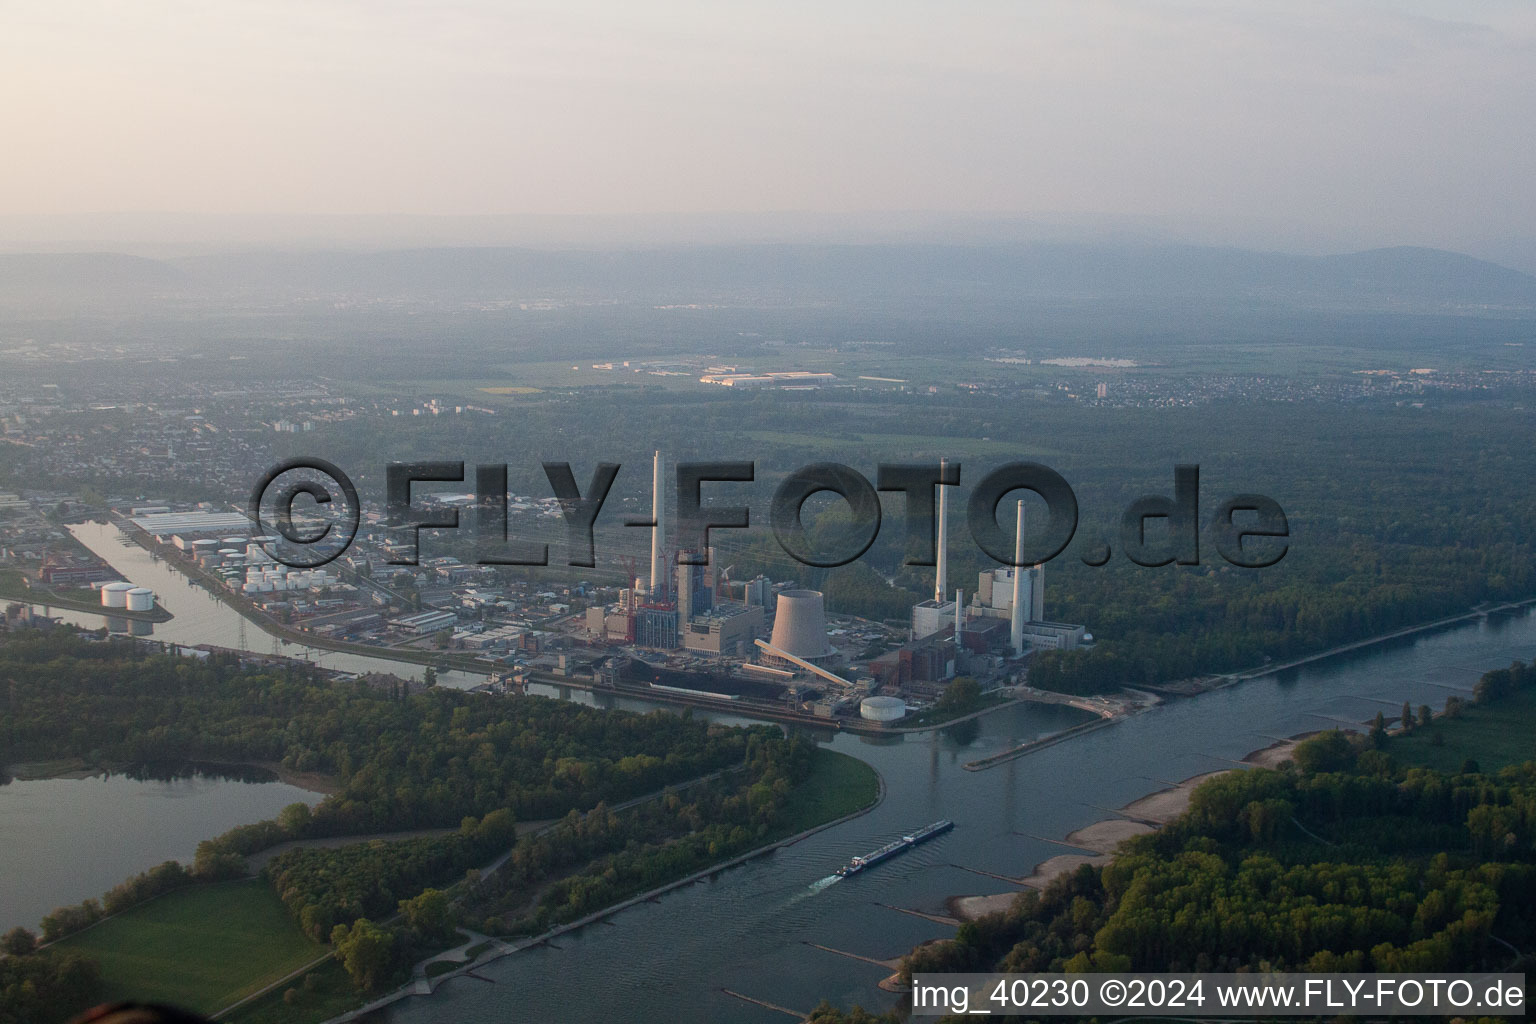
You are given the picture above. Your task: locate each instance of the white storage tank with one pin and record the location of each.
(251, 587)
(141, 599)
(882, 709)
(115, 595)
(264, 587)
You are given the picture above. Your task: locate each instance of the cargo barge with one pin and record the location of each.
(894, 847)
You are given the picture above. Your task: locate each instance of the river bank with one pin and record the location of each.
(1224, 680)
(1098, 841)
(79, 768)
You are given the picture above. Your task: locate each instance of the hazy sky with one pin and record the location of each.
(1406, 121)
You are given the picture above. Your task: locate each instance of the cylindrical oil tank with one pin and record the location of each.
(115, 595)
(882, 709)
(140, 599)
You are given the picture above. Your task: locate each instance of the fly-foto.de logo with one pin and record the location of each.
(315, 510)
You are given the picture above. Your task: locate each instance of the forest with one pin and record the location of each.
(426, 761)
(1341, 860)
(487, 760)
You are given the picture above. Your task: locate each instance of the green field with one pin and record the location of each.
(203, 947)
(838, 785)
(1493, 735)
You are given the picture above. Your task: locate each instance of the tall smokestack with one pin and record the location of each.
(959, 611)
(941, 577)
(1037, 602)
(1018, 587)
(658, 535)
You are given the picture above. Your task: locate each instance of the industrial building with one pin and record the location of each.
(426, 622)
(928, 617)
(784, 378)
(1005, 618)
(726, 629)
(1018, 595)
(180, 524)
(681, 605)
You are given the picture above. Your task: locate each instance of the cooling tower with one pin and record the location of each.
(800, 625)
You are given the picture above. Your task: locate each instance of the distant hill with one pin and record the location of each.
(1426, 273)
(1399, 279)
(1426, 278)
(85, 276)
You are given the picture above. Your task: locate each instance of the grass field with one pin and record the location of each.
(1493, 735)
(838, 785)
(203, 947)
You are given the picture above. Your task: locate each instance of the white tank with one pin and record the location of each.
(234, 540)
(251, 586)
(882, 709)
(115, 595)
(140, 599)
(264, 587)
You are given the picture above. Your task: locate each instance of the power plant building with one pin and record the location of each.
(656, 627)
(929, 617)
(1016, 595)
(727, 629)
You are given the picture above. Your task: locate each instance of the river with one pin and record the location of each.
(201, 618)
(747, 929)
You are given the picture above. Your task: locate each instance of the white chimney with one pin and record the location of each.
(1018, 587)
(941, 577)
(658, 535)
